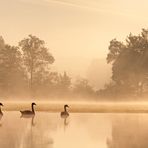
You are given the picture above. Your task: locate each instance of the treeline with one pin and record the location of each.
(129, 61)
(25, 71)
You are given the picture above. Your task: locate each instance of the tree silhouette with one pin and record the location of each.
(130, 61)
(64, 81)
(11, 70)
(83, 88)
(36, 56)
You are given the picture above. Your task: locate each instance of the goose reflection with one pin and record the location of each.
(32, 121)
(66, 123)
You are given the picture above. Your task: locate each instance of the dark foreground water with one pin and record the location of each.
(80, 130)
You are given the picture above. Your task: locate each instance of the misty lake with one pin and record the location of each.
(79, 130)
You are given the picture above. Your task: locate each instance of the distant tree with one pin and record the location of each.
(59, 84)
(130, 61)
(40, 78)
(64, 81)
(36, 57)
(114, 91)
(2, 42)
(51, 83)
(53, 80)
(83, 88)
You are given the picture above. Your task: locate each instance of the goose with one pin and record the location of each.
(1, 113)
(65, 113)
(29, 112)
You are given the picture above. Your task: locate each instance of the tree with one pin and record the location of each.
(36, 56)
(130, 61)
(11, 72)
(59, 84)
(53, 84)
(83, 88)
(2, 42)
(64, 81)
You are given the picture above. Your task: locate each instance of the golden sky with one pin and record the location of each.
(76, 31)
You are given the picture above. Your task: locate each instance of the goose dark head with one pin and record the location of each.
(33, 103)
(1, 104)
(66, 106)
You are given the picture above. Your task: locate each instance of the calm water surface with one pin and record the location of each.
(80, 130)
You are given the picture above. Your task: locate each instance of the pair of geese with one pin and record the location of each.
(31, 112)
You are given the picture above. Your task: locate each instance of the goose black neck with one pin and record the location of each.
(32, 108)
(65, 109)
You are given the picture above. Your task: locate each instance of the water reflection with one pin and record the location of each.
(45, 130)
(66, 123)
(129, 131)
(1, 120)
(19, 132)
(31, 117)
(36, 136)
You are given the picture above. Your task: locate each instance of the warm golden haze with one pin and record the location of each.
(81, 29)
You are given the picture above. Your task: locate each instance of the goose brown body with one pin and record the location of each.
(1, 113)
(65, 113)
(29, 112)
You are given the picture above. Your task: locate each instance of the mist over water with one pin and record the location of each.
(79, 106)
